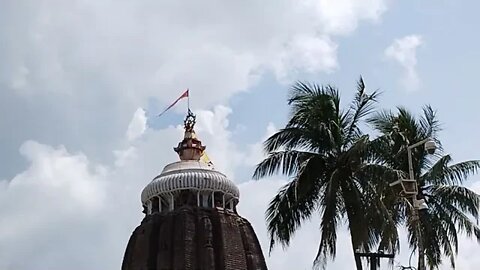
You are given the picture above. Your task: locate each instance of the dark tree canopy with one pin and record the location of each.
(340, 173)
(453, 208)
(327, 156)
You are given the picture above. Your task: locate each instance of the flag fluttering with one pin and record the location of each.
(206, 159)
(184, 95)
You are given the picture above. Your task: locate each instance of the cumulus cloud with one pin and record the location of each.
(93, 63)
(137, 125)
(302, 54)
(255, 152)
(149, 48)
(76, 72)
(67, 211)
(404, 52)
(342, 17)
(50, 210)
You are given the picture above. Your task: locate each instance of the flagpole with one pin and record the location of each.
(188, 102)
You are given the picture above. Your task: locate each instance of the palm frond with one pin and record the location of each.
(429, 122)
(294, 203)
(441, 173)
(362, 105)
(439, 236)
(468, 201)
(336, 170)
(355, 202)
(447, 215)
(439, 233)
(315, 109)
(383, 121)
(289, 138)
(334, 95)
(379, 175)
(289, 162)
(436, 173)
(329, 205)
(301, 91)
(463, 222)
(309, 101)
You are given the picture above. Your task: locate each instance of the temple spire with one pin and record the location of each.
(190, 148)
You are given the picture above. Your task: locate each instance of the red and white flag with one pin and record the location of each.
(184, 95)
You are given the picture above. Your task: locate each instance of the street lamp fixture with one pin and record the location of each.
(410, 189)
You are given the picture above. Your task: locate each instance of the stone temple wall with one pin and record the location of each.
(194, 238)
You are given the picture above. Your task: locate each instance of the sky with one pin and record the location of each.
(81, 82)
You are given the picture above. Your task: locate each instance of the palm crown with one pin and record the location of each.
(327, 157)
(451, 206)
(336, 171)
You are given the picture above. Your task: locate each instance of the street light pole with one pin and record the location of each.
(416, 216)
(409, 151)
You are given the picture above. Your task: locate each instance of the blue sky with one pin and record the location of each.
(75, 76)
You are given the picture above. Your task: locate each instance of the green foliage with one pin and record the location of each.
(340, 174)
(452, 208)
(324, 151)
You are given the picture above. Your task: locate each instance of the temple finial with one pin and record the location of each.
(189, 121)
(190, 148)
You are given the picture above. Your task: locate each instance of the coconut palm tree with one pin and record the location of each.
(326, 155)
(452, 208)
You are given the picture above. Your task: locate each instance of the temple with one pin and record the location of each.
(191, 220)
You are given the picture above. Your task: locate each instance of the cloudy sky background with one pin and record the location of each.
(77, 148)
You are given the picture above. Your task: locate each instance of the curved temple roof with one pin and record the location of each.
(189, 175)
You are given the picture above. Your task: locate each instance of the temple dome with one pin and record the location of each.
(190, 181)
(189, 175)
(191, 221)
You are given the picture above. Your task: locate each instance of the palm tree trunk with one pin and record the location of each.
(421, 260)
(421, 250)
(358, 260)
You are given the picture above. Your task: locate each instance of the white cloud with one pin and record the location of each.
(75, 72)
(50, 211)
(66, 211)
(93, 63)
(213, 129)
(66, 194)
(255, 152)
(19, 79)
(151, 48)
(123, 156)
(342, 16)
(404, 52)
(306, 54)
(137, 125)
